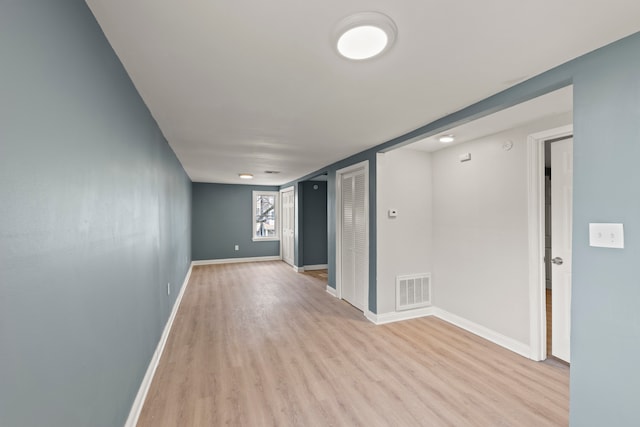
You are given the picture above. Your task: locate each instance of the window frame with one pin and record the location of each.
(276, 210)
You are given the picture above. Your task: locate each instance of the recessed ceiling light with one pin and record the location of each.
(245, 176)
(445, 139)
(364, 35)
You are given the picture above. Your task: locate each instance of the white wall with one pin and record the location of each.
(466, 223)
(404, 242)
(480, 269)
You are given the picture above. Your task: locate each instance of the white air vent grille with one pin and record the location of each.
(413, 291)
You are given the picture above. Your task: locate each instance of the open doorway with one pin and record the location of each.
(314, 235)
(482, 192)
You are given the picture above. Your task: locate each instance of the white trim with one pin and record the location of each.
(371, 316)
(352, 168)
(276, 204)
(331, 291)
(469, 326)
(315, 267)
(397, 316)
(297, 269)
(535, 156)
(483, 332)
(236, 260)
(138, 403)
(536, 233)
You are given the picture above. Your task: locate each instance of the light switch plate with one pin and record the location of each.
(606, 235)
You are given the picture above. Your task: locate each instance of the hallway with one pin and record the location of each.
(258, 344)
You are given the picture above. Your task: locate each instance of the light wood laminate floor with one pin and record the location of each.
(259, 345)
(322, 275)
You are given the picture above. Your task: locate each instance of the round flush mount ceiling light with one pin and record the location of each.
(364, 35)
(245, 176)
(445, 139)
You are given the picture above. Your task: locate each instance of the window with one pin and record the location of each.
(265, 216)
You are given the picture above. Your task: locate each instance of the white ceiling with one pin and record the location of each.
(550, 105)
(248, 86)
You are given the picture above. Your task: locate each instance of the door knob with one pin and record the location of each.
(557, 260)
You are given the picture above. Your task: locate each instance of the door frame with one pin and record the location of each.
(339, 173)
(537, 285)
(281, 222)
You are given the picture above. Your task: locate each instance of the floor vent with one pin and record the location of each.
(413, 291)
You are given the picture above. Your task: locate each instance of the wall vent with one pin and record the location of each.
(413, 291)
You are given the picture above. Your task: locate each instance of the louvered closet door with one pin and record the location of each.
(354, 229)
(348, 237)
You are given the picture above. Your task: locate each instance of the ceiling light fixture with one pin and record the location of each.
(364, 35)
(245, 176)
(445, 139)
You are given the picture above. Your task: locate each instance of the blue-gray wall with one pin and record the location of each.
(605, 335)
(314, 222)
(94, 221)
(221, 219)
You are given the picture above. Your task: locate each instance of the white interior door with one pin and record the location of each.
(561, 226)
(354, 229)
(288, 210)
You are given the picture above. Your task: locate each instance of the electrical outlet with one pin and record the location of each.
(168, 288)
(237, 247)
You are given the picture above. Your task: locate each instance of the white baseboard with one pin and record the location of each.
(332, 291)
(469, 326)
(484, 332)
(372, 317)
(397, 316)
(236, 260)
(134, 413)
(316, 267)
(298, 269)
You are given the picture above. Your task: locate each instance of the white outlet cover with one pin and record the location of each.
(606, 235)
